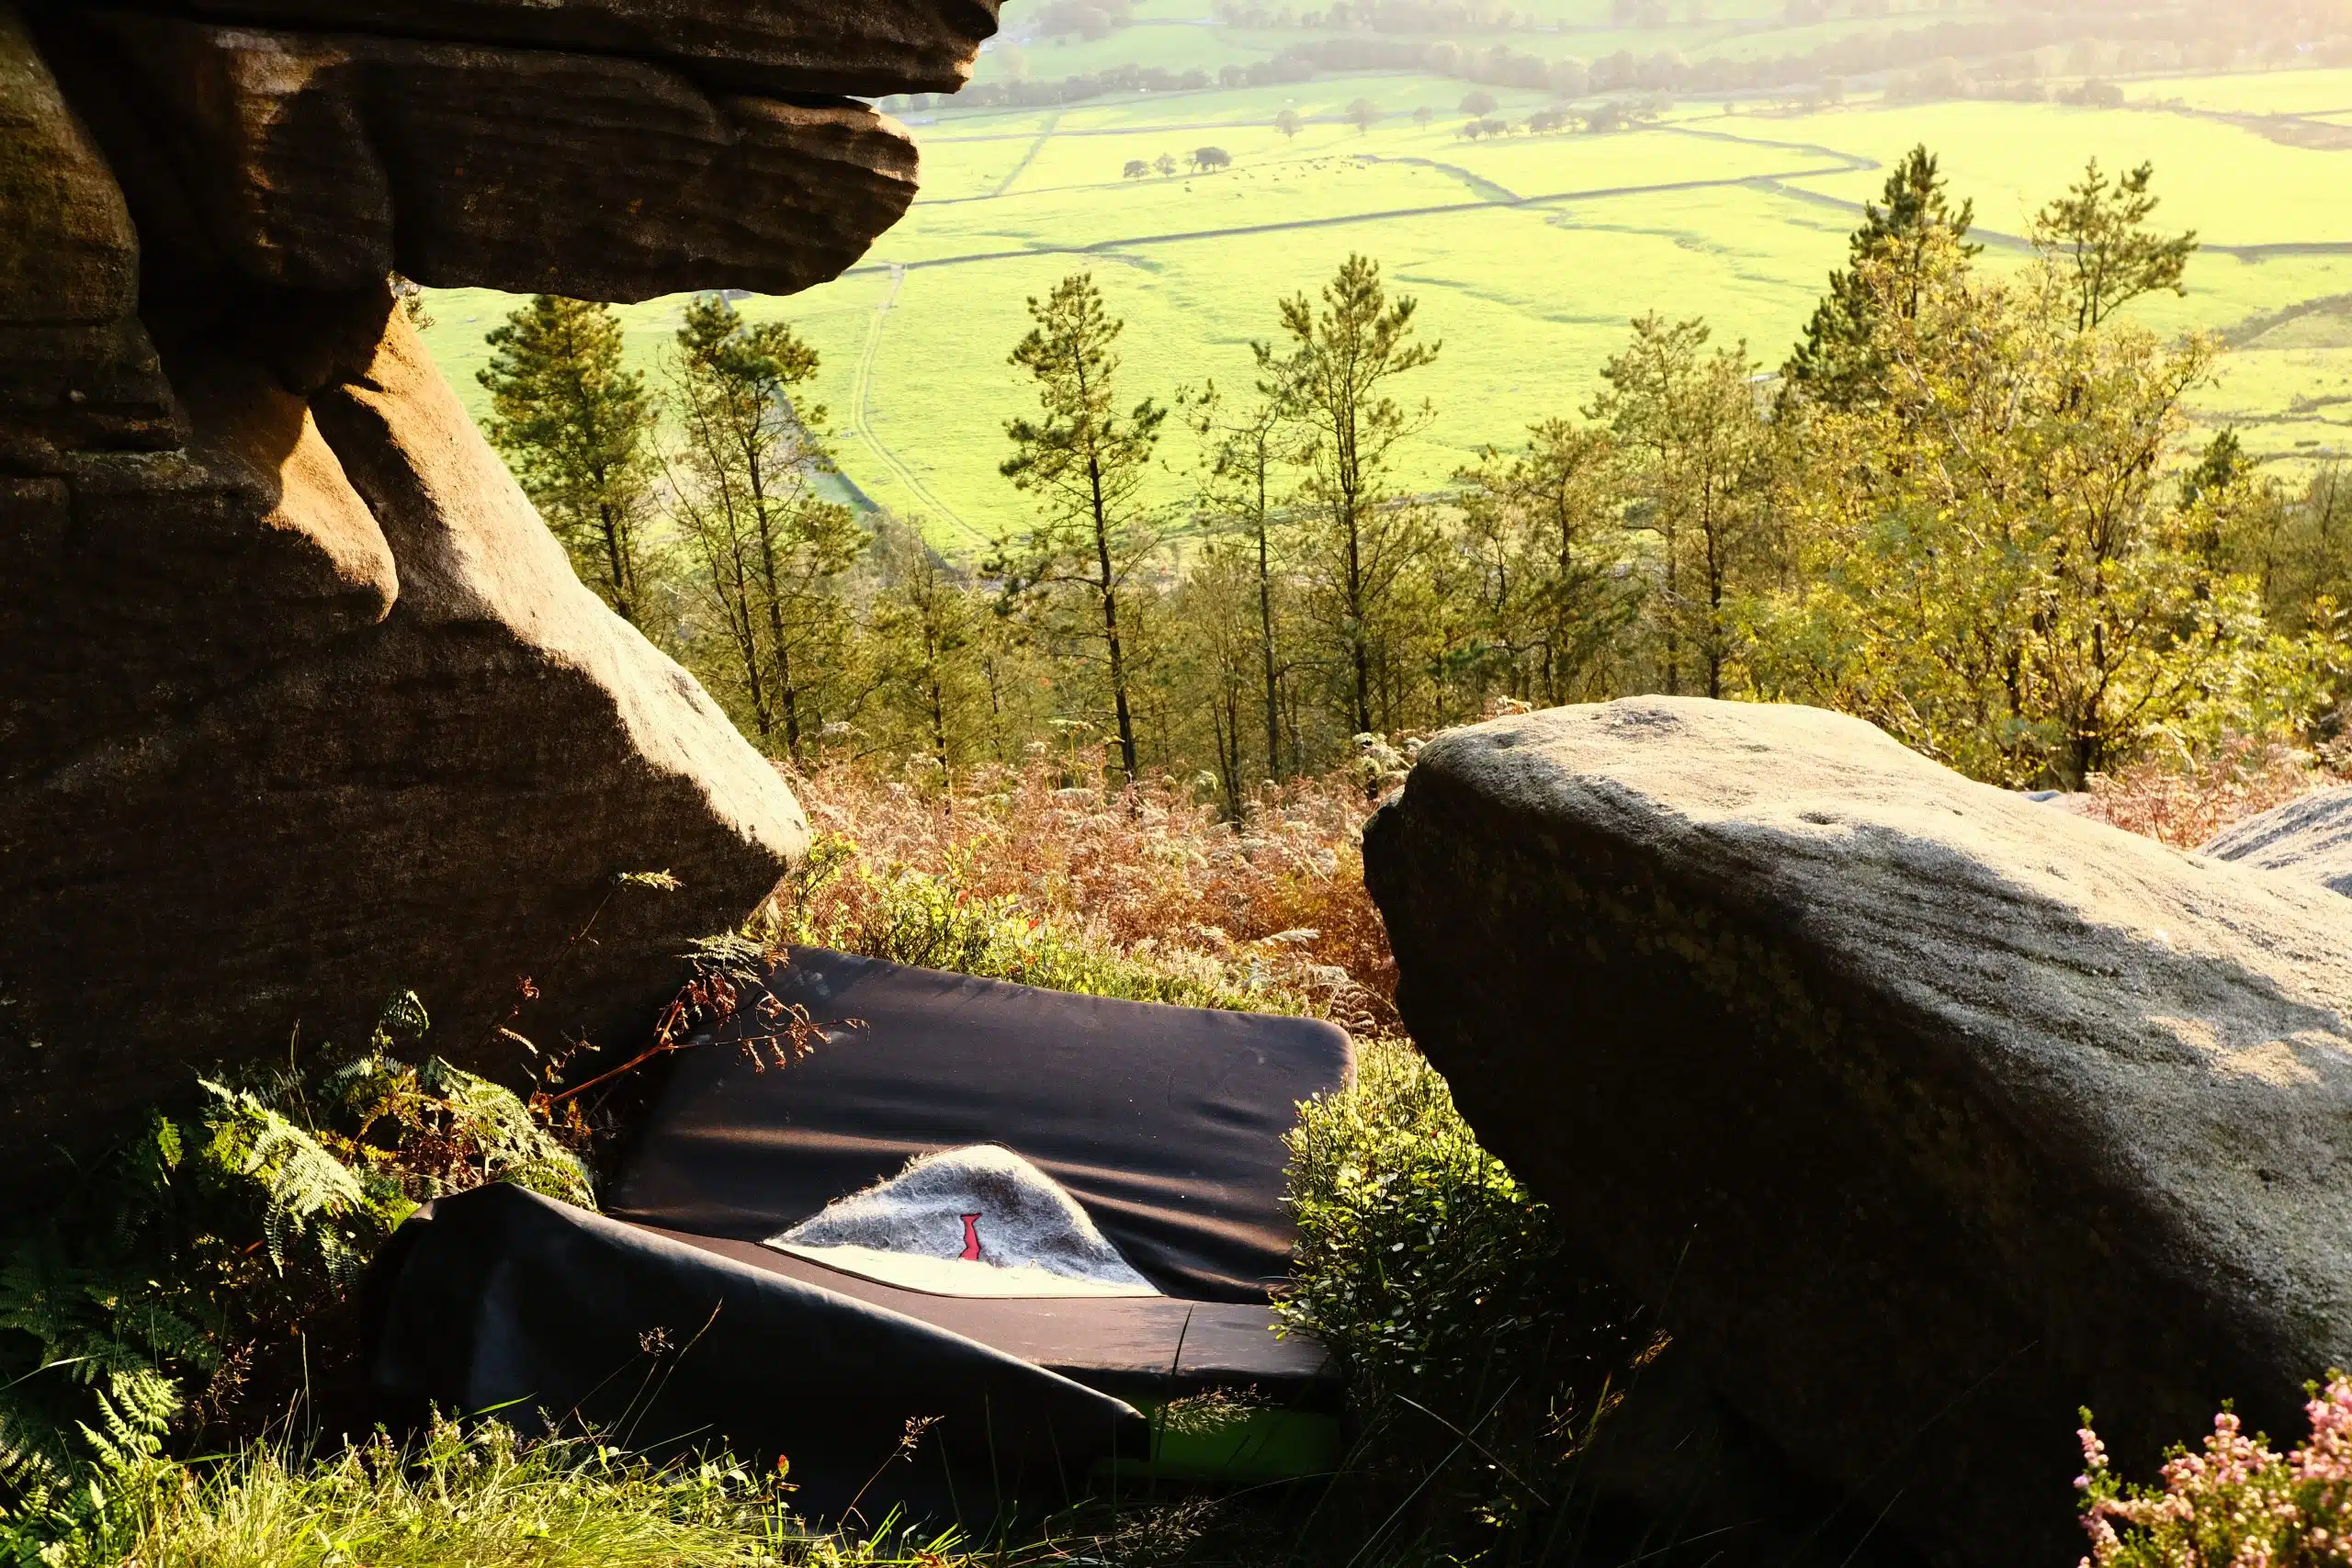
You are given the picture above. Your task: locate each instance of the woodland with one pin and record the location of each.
(1964, 505)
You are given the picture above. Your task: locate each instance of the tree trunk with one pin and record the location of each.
(1266, 635)
(1107, 584)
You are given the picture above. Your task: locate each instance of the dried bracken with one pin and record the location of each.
(1274, 902)
(2184, 799)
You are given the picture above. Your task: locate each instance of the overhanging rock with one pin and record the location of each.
(299, 704)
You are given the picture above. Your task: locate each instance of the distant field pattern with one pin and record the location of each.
(1527, 254)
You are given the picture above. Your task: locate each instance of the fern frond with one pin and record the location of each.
(301, 1181)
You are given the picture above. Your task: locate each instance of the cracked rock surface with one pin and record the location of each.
(301, 704)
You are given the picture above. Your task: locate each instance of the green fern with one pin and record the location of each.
(222, 1234)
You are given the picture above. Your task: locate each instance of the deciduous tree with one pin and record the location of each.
(1998, 569)
(1547, 528)
(1695, 444)
(772, 550)
(925, 625)
(1246, 450)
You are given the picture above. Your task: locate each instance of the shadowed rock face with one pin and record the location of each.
(517, 169)
(1928, 1113)
(300, 703)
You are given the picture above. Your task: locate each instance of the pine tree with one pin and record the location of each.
(2095, 238)
(1334, 381)
(772, 550)
(1086, 463)
(1833, 365)
(577, 428)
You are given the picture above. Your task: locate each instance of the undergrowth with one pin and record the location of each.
(1146, 893)
(1479, 1361)
(202, 1274)
(2186, 797)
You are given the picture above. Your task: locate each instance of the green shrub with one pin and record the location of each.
(1479, 1361)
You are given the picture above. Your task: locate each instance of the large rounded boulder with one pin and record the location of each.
(1923, 1113)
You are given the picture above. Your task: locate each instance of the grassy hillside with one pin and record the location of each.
(1529, 253)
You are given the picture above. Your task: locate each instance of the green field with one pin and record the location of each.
(1527, 254)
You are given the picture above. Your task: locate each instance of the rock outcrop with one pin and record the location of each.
(1924, 1112)
(300, 703)
(2309, 838)
(515, 169)
(774, 46)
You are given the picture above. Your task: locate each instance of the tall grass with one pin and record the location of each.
(471, 1496)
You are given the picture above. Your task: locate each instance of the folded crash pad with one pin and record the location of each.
(557, 1318)
(1166, 1123)
(679, 1318)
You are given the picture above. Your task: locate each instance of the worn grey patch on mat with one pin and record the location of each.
(978, 1221)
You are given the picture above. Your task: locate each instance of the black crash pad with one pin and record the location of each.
(498, 1298)
(1165, 1122)
(1145, 1349)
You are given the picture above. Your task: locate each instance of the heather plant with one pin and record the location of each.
(2234, 1503)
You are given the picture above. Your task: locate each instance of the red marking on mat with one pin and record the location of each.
(971, 1238)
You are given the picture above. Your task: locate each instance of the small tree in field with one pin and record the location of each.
(1478, 101)
(1137, 169)
(1287, 122)
(1422, 116)
(1165, 163)
(577, 429)
(1086, 462)
(1363, 114)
